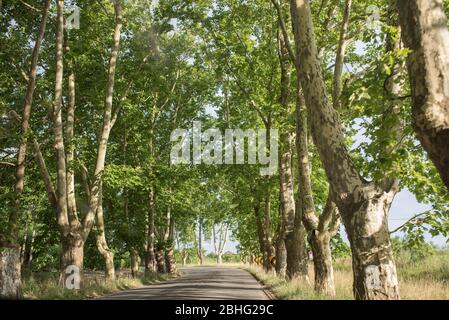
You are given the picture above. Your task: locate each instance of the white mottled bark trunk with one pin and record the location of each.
(10, 282)
(363, 206)
(425, 32)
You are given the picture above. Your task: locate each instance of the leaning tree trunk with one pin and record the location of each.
(320, 229)
(363, 206)
(27, 104)
(425, 32)
(108, 122)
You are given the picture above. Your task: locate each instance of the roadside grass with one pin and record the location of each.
(419, 279)
(45, 286)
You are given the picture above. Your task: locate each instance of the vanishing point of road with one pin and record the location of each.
(200, 283)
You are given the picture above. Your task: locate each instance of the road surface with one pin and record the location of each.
(199, 283)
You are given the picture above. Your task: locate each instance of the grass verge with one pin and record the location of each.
(423, 279)
(46, 287)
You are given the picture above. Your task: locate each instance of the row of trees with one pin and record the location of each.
(87, 116)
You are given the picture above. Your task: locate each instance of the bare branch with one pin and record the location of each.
(29, 6)
(425, 213)
(7, 164)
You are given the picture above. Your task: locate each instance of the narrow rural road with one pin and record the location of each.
(198, 283)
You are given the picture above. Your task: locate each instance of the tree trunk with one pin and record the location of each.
(261, 234)
(281, 258)
(102, 244)
(220, 241)
(28, 101)
(135, 262)
(160, 259)
(269, 249)
(70, 154)
(89, 219)
(185, 256)
(72, 260)
(287, 205)
(320, 229)
(170, 260)
(297, 257)
(374, 269)
(71, 235)
(291, 257)
(216, 244)
(10, 281)
(340, 56)
(27, 263)
(363, 206)
(61, 188)
(322, 263)
(200, 243)
(425, 32)
(150, 256)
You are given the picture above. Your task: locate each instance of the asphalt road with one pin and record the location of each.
(199, 283)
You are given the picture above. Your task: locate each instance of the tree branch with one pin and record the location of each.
(284, 31)
(45, 175)
(427, 213)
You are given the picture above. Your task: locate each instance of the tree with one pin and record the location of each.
(425, 33)
(363, 205)
(74, 232)
(10, 256)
